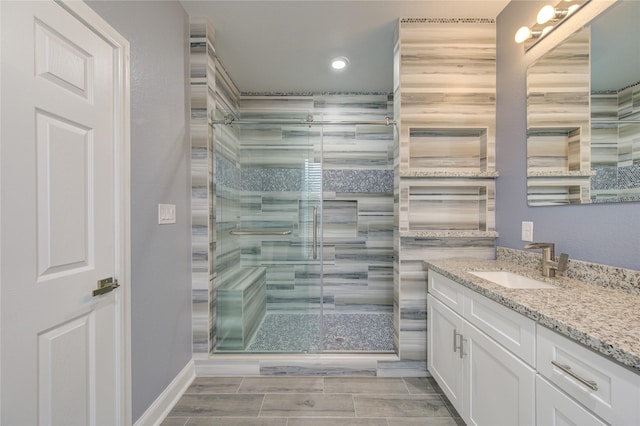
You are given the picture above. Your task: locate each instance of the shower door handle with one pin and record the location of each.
(315, 233)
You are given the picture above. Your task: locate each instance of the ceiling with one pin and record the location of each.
(285, 46)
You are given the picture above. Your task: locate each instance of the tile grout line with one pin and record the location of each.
(240, 385)
(264, 396)
(406, 386)
(355, 411)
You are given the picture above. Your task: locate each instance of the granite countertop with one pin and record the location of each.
(603, 319)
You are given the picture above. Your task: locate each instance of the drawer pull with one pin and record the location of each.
(567, 369)
(455, 336)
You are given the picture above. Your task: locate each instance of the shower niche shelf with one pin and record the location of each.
(449, 205)
(448, 150)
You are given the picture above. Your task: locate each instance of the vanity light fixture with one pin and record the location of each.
(339, 63)
(548, 14)
(525, 33)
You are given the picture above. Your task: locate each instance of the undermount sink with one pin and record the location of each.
(511, 279)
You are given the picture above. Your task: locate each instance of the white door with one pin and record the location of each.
(62, 126)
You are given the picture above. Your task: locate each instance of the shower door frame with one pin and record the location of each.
(317, 228)
(278, 206)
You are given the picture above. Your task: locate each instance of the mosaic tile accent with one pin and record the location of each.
(447, 21)
(629, 177)
(228, 174)
(296, 333)
(273, 179)
(602, 319)
(365, 181)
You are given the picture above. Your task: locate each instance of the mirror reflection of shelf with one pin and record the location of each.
(562, 191)
(557, 151)
(448, 234)
(572, 174)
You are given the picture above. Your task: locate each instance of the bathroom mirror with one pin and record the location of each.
(583, 114)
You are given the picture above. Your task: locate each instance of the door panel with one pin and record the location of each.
(64, 366)
(59, 343)
(61, 61)
(65, 213)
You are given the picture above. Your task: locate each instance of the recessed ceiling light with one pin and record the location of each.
(339, 63)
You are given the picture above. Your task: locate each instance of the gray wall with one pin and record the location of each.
(608, 234)
(158, 33)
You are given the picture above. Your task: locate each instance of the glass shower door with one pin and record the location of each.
(267, 288)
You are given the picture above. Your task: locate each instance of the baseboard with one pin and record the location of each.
(156, 413)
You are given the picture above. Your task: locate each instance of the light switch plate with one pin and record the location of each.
(166, 214)
(527, 231)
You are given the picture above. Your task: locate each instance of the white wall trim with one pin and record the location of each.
(157, 411)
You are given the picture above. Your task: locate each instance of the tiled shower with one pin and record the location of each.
(271, 292)
(377, 218)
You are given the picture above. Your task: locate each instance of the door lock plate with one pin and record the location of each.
(105, 286)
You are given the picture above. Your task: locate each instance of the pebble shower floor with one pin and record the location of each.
(295, 333)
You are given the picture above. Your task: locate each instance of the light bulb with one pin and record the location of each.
(572, 8)
(339, 63)
(546, 14)
(523, 34)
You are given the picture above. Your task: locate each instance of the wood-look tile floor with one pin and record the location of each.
(313, 401)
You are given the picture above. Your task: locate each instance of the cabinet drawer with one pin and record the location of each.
(447, 291)
(509, 328)
(553, 407)
(614, 391)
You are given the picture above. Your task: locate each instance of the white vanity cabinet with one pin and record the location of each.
(498, 367)
(485, 382)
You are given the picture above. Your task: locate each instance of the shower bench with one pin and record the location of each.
(241, 305)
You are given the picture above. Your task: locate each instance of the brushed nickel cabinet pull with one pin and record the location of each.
(567, 369)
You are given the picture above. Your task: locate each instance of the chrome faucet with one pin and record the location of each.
(549, 264)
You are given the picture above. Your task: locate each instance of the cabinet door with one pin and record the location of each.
(443, 358)
(554, 407)
(500, 387)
